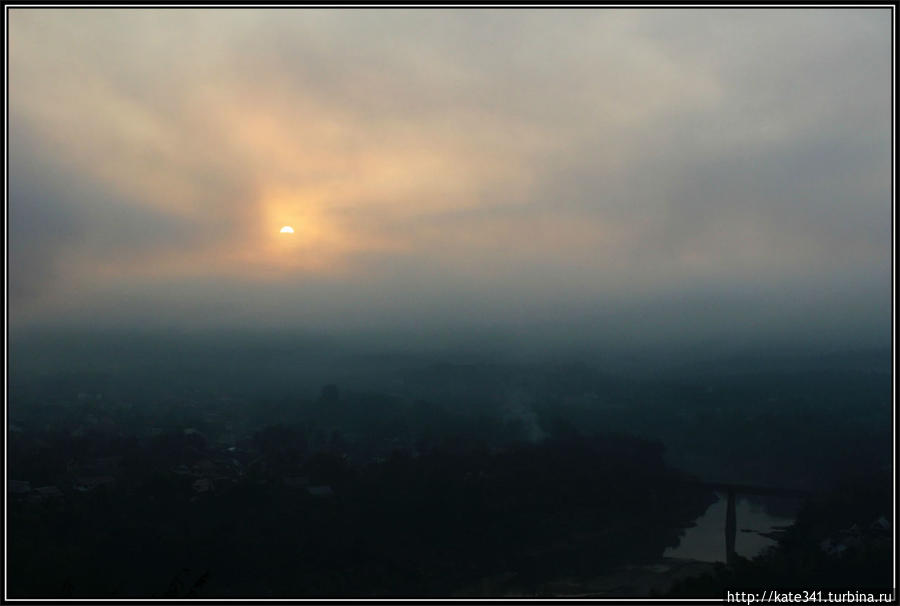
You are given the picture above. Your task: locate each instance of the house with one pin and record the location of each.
(19, 487)
(87, 484)
(99, 466)
(44, 493)
(205, 467)
(320, 491)
(296, 482)
(881, 523)
(201, 485)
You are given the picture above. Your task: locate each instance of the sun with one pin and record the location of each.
(287, 229)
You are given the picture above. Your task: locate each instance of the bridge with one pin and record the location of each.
(732, 490)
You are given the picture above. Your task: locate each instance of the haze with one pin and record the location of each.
(627, 177)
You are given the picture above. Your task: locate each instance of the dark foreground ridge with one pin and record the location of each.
(174, 515)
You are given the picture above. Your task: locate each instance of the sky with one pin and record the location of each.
(607, 175)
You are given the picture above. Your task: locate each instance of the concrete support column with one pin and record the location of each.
(730, 527)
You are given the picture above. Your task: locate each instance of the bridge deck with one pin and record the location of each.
(767, 491)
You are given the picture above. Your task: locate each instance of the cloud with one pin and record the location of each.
(448, 165)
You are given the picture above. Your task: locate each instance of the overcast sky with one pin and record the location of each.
(636, 175)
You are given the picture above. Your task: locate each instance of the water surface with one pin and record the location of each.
(706, 540)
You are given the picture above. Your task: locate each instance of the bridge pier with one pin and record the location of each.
(730, 527)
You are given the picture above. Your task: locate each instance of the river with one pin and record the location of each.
(705, 541)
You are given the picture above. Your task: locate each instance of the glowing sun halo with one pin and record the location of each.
(287, 229)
